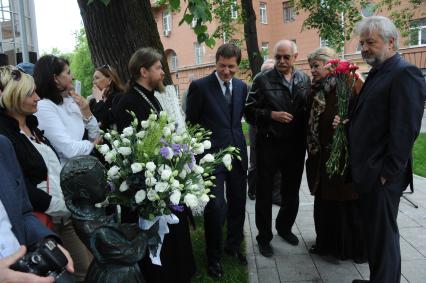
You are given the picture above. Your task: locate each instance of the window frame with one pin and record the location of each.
(263, 13)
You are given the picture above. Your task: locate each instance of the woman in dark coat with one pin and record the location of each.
(177, 259)
(106, 93)
(336, 213)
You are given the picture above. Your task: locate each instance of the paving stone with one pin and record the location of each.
(415, 236)
(405, 221)
(408, 252)
(296, 268)
(268, 275)
(332, 270)
(253, 273)
(414, 270)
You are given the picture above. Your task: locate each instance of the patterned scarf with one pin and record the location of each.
(318, 107)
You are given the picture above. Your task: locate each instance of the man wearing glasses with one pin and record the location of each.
(276, 105)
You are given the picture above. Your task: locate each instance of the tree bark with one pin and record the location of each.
(117, 30)
(250, 34)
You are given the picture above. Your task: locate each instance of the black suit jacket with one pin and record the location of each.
(207, 106)
(385, 122)
(26, 227)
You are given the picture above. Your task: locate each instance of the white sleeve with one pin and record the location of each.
(92, 128)
(51, 123)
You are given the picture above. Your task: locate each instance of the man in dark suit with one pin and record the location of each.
(216, 102)
(18, 225)
(383, 126)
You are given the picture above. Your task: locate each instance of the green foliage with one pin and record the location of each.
(419, 155)
(335, 19)
(81, 64)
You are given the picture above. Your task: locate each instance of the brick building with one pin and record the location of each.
(276, 20)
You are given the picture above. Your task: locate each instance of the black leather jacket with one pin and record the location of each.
(269, 93)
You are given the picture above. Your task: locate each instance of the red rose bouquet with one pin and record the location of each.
(342, 76)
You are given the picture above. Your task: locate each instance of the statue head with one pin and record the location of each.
(83, 184)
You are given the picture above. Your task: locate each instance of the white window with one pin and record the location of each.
(323, 42)
(194, 22)
(234, 10)
(288, 12)
(418, 32)
(263, 13)
(167, 23)
(198, 50)
(172, 60)
(265, 50)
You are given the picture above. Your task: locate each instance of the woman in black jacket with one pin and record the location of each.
(107, 91)
(39, 163)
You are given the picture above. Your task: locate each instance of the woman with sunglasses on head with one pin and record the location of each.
(107, 91)
(39, 162)
(336, 213)
(63, 114)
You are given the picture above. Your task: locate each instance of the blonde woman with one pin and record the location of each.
(39, 162)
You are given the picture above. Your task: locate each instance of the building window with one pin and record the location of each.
(167, 23)
(288, 12)
(234, 9)
(172, 60)
(265, 50)
(198, 50)
(323, 42)
(418, 32)
(263, 13)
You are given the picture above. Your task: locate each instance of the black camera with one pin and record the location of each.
(47, 259)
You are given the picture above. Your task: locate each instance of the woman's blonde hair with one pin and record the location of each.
(323, 54)
(15, 85)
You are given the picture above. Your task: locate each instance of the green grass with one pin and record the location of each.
(419, 155)
(233, 271)
(245, 132)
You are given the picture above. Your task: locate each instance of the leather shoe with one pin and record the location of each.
(265, 249)
(315, 250)
(238, 255)
(290, 238)
(360, 281)
(214, 269)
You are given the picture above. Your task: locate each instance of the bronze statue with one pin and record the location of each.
(116, 247)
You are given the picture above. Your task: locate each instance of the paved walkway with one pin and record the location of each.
(295, 264)
(423, 129)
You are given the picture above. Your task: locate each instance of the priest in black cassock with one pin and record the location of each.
(177, 259)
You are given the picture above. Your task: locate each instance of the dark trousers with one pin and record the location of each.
(288, 158)
(379, 210)
(233, 210)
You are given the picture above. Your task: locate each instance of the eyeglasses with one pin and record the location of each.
(106, 66)
(285, 57)
(15, 74)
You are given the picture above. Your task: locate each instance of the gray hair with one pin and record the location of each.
(384, 26)
(267, 64)
(323, 54)
(284, 42)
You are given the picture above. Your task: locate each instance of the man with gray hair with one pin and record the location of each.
(383, 126)
(277, 107)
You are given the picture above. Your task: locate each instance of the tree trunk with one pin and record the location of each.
(117, 30)
(250, 34)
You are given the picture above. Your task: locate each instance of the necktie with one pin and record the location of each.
(228, 96)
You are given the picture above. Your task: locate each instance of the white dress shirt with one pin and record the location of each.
(222, 85)
(63, 125)
(8, 242)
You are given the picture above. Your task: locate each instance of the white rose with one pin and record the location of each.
(198, 148)
(208, 183)
(136, 167)
(110, 156)
(175, 184)
(123, 187)
(125, 141)
(175, 197)
(152, 195)
(150, 181)
(152, 117)
(124, 150)
(177, 139)
(149, 174)
(161, 187)
(103, 149)
(140, 134)
(182, 174)
(140, 196)
(163, 114)
(165, 175)
(150, 166)
(207, 144)
(113, 172)
(172, 127)
(163, 167)
(107, 136)
(198, 169)
(166, 131)
(227, 161)
(116, 143)
(191, 200)
(145, 124)
(128, 131)
(207, 158)
(205, 198)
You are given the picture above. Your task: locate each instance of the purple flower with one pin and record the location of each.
(176, 148)
(166, 152)
(178, 208)
(185, 147)
(193, 162)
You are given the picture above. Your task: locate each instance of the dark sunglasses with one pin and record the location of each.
(285, 57)
(106, 66)
(14, 73)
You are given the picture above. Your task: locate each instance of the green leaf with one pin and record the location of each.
(210, 42)
(199, 29)
(188, 18)
(105, 2)
(202, 37)
(174, 4)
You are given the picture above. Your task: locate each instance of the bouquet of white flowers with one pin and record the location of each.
(154, 171)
